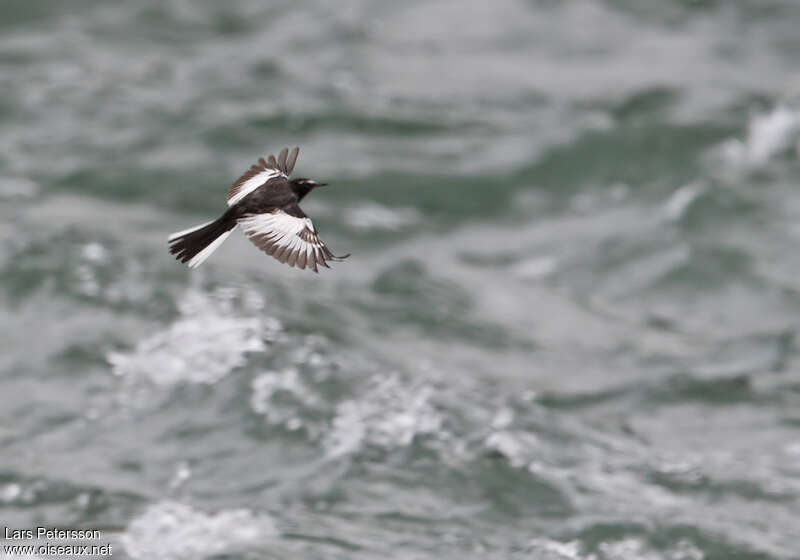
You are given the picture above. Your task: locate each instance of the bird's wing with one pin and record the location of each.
(262, 172)
(288, 235)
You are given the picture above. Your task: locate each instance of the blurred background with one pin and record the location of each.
(567, 330)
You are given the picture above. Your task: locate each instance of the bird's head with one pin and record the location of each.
(302, 186)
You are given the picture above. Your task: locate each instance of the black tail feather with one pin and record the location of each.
(188, 245)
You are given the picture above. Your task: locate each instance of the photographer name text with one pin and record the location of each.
(50, 533)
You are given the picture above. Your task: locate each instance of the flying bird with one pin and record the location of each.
(264, 203)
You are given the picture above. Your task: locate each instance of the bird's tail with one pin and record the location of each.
(195, 245)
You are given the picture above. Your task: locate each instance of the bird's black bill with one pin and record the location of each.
(321, 185)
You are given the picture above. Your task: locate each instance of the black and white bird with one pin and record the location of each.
(264, 203)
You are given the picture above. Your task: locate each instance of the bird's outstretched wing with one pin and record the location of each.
(262, 172)
(288, 235)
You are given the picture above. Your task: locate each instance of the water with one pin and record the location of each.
(567, 330)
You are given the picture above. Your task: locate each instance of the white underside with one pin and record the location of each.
(200, 257)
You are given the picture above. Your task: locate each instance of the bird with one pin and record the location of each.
(264, 202)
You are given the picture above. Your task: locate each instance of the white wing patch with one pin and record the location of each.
(246, 185)
(261, 172)
(289, 239)
(273, 222)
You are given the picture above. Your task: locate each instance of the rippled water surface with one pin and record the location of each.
(567, 330)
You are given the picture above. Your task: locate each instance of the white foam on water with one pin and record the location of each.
(175, 531)
(390, 414)
(767, 136)
(629, 548)
(281, 397)
(92, 255)
(203, 346)
(9, 493)
(503, 419)
(535, 268)
(633, 548)
(18, 187)
(682, 199)
(373, 216)
(546, 549)
(516, 446)
(94, 252)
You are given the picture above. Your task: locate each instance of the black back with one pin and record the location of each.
(275, 193)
